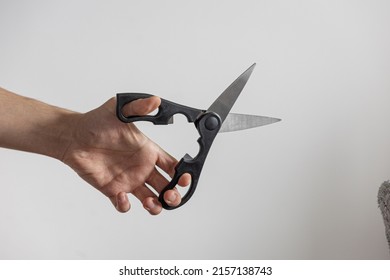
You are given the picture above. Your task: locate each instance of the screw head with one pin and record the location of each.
(211, 123)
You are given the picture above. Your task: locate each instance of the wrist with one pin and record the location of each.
(58, 135)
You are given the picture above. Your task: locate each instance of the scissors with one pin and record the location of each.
(208, 123)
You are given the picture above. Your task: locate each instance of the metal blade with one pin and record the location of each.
(235, 122)
(224, 103)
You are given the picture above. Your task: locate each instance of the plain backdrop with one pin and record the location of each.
(304, 188)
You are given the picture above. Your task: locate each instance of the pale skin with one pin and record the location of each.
(115, 158)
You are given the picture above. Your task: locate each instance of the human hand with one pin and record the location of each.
(116, 158)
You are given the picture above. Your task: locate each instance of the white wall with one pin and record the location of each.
(304, 188)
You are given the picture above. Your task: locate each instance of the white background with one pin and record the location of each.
(304, 188)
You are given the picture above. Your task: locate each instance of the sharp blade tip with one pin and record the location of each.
(250, 69)
(275, 120)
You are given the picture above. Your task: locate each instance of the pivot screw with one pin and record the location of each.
(211, 123)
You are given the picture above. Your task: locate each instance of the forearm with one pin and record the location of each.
(33, 126)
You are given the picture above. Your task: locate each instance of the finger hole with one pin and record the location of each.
(184, 180)
(160, 180)
(141, 107)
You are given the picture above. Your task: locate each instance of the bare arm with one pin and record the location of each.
(32, 126)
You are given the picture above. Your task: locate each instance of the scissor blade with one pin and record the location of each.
(235, 122)
(224, 103)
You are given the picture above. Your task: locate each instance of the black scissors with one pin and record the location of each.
(208, 123)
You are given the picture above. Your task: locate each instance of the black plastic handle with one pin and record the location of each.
(208, 125)
(164, 115)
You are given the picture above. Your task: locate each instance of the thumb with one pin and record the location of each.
(142, 107)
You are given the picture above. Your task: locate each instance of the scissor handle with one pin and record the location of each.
(208, 125)
(186, 165)
(166, 110)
